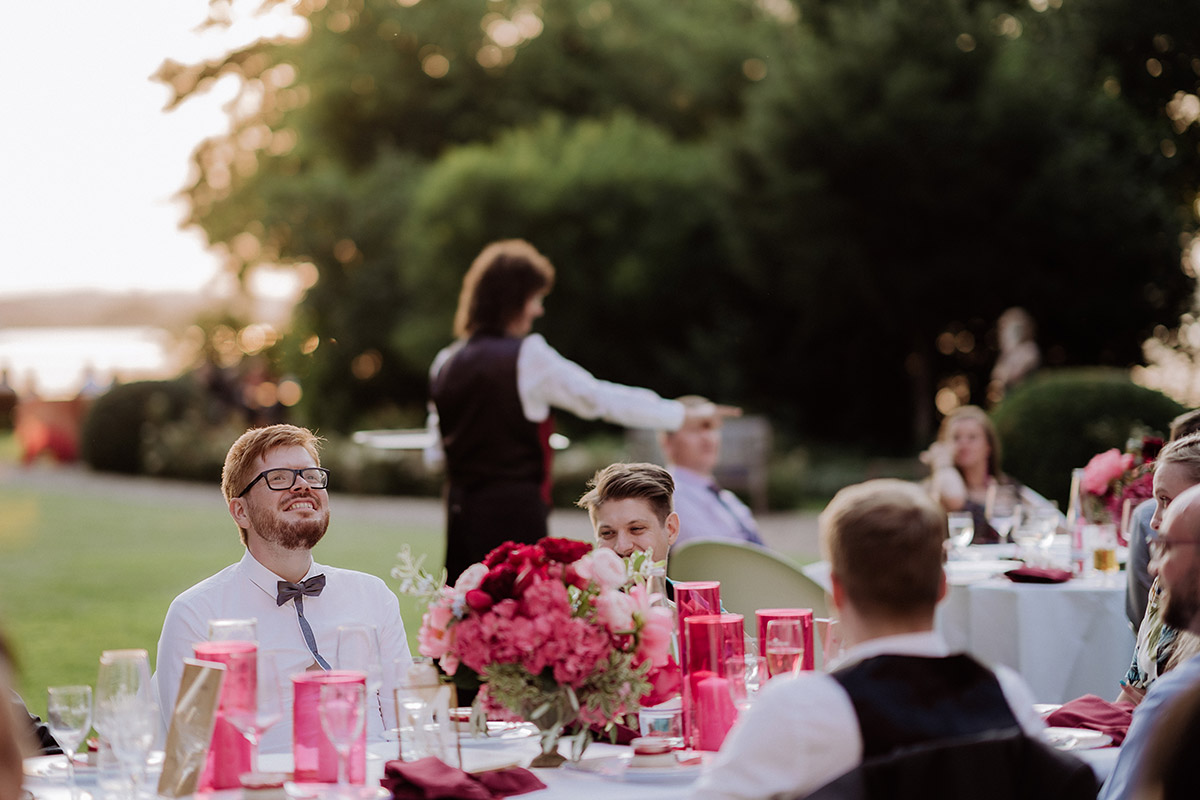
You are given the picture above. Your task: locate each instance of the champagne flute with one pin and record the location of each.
(1003, 508)
(125, 713)
(358, 650)
(343, 712)
(785, 646)
(268, 707)
(69, 717)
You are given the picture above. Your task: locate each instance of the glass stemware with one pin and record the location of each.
(125, 713)
(69, 717)
(961, 527)
(1003, 508)
(342, 707)
(785, 646)
(233, 630)
(268, 707)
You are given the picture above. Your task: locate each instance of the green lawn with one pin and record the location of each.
(82, 574)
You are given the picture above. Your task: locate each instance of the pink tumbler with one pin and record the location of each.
(708, 710)
(316, 760)
(805, 615)
(694, 598)
(229, 752)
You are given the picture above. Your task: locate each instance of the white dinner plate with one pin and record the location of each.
(1075, 738)
(618, 768)
(54, 768)
(962, 572)
(498, 733)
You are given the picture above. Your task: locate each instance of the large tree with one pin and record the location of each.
(817, 208)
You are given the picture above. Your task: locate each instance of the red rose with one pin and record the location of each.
(499, 555)
(499, 582)
(526, 555)
(564, 551)
(479, 600)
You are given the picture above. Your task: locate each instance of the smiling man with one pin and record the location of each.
(631, 509)
(275, 490)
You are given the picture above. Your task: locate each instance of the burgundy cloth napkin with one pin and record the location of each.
(1095, 714)
(1038, 575)
(432, 779)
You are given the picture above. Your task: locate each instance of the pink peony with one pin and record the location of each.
(433, 639)
(471, 578)
(604, 567)
(615, 610)
(658, 626)
(1103, 469)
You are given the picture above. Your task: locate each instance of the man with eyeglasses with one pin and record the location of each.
(275, 490)
(1176, 556)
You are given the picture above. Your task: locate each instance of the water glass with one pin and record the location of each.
(785, 647)
(664, 723)
(69, 718)
(125, 712)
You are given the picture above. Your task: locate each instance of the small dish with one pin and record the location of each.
(498, 732)
(1070, 739)
(617, 768)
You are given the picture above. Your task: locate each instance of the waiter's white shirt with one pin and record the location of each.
(248, 589)
(546, 380)
(802, 732)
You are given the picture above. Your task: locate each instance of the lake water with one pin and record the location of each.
(56, 361)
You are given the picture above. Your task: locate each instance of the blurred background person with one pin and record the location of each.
(706, 510)
(491, 394)
(1019, 354)
(965, 471)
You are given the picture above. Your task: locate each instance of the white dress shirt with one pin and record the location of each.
(708, 512)
(248, 589)
(546, 380)
(802, 732)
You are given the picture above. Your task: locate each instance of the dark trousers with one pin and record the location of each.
(480, 518)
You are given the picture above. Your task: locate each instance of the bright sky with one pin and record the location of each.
(88, 160)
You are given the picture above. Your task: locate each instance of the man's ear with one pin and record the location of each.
(942, 586)
(672, 526)
(837, 592)
(237, 510)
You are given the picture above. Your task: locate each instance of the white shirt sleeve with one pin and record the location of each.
(435, 454)
(800, 734)
(545, 379)
(181, 628)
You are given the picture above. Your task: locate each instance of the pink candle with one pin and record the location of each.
(229, 751)
(315, 759)
(805, 615)
(715, 712)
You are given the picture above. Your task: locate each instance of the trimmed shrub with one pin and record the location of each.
(1059, 419)
(122, 420)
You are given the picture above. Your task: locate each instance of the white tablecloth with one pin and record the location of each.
(1065, 640)
(561, 784)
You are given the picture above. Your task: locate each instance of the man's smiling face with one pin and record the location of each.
(294, 518)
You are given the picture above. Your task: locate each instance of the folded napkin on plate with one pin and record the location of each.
(1095, 714)
(1038, 575)
(430, 779)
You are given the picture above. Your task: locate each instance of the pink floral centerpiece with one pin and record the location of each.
(559, 634)
(1112, 477)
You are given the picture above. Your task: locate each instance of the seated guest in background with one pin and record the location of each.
(897, 685)
(706, 511)
(276, 493)
(1161, 647)
(1176, 554)
(1138, 577)
(631, 509)
(964, 466)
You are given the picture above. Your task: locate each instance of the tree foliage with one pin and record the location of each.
(790, 205)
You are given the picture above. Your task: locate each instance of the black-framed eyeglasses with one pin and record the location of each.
(1160, 545)
(281, 479)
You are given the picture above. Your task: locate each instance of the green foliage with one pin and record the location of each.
(743, 198)
(1059, 419)
(123, 419)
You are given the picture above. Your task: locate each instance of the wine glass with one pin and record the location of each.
(125, 713)
(233, 630)
(785, 646)
(961, 526)
(358, 650)
(268, 707)
(343, 713)
(69, 717)
(1003, 508)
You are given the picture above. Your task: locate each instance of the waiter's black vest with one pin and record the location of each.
(908, 700)
(484, 431)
